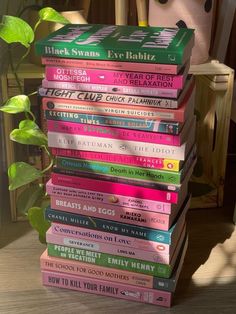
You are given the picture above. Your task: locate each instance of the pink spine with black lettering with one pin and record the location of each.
(114, 89)
(114, 199)
(117, 239)
(51, 263)
(110, 77)
(113, 65)
(108, 248)
(107, 288)
(114, 133)
(116, 213)
(145, 162)
(115, 188)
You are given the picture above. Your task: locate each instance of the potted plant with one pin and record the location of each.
(15, 31)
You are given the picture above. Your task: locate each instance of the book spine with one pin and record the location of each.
(121, 78)
(170, 284)
(109, 98)
(116, 213)
(117, 179)
(168, 127)
(114, 239)
(113, 65)
(116, 110)
(110, 260)
(107, 249)
(113, 133)
(114, 188)
(106, 198)
(85, 143)
(49, 263)
(124, 171)
(114, 89)
(145, 55)
(153, 163)
(116, 227)
(100, 287)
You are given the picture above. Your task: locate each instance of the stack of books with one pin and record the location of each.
(119, 105)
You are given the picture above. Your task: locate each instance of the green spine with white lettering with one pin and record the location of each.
(119, 43)
(109, 260)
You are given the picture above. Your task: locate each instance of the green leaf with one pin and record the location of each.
(17, 104)
(28, 124)
(51, 15)
(21, 173)
(29, 136)
(38, 222)
(31, 196)
(16, 30)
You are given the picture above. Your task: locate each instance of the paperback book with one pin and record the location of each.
(125, 111)
(89, 96)
(114, 65)
(102, 287)
(144, 233)
(114, 89)
(161, 126)
(112, 77)
(162, 192)
(119, 250)
(119, 43)
(116, 213)
(62, 265)
(114, 199)
(115, 239)
(136, 148)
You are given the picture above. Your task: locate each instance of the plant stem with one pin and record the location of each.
(51, 160)
(32, 94)
(36, 25)
(32, 115)
(22, 58)
(13, 69)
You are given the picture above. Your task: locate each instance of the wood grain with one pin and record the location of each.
(207, 283)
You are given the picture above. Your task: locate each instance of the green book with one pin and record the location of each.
(109, 260)
(119, 43)
(124, 171)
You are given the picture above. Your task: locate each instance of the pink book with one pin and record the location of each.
(109, 238)
(165, 193)
(120, 250)
(119, 133)
(147, 101)
(114, 65)
(51, 263)
(115, 188)
(106, 288)
(110, 77)
(118, 146)
(185, 111)
(154, 163)
(116, 213)
(114, 89)
(114, 199)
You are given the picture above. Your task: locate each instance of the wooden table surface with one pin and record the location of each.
(207, 283)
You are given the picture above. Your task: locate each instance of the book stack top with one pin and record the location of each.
(119, 43)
